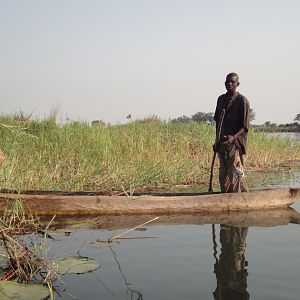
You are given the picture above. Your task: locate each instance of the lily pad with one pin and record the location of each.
(76, 265)
(13, 290)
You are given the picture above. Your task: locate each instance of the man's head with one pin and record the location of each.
(232, 82)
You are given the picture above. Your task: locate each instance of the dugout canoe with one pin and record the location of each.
(165, 203)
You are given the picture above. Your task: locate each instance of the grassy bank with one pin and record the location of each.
(135, 156)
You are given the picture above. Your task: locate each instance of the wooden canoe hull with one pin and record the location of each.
(152, 204)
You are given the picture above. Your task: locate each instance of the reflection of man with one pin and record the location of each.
(230, 269)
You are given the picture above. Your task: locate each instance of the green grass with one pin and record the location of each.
(140, 155)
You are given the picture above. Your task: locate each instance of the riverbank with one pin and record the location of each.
(138, 156)
(277, 128)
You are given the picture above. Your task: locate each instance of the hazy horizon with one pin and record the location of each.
(107, 59)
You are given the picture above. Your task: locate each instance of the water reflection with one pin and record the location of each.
(258, 218)
(134, 294)
(230, 266)
(146, 268)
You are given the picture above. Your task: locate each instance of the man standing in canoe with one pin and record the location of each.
(232, 124)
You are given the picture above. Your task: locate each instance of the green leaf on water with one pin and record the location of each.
(76, 265)
(14, 290)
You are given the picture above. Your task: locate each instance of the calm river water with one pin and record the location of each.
(178, 257)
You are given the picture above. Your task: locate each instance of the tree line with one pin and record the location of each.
(203, 117)
(208, 118)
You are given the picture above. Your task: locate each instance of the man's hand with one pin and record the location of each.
(230, 139)
(215, 147)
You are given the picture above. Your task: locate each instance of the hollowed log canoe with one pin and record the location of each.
(85, 203)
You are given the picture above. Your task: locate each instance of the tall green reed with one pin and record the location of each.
(132, 157)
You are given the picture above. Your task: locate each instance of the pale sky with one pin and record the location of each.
(107, 59)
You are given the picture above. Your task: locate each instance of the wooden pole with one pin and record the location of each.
(218, 136)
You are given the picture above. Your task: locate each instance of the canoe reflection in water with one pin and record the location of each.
(230, 267)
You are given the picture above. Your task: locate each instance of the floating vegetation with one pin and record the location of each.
(23, 256)
(102, 243)
(14, 290)
(76, 265)
(23, 247)
(25, 270)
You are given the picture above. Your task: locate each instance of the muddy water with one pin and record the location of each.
(242, 256)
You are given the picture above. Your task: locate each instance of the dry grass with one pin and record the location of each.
(23, 247)
(2, 158)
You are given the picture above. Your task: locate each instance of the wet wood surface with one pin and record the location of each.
(64, 204)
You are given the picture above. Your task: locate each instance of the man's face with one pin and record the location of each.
(231, 83)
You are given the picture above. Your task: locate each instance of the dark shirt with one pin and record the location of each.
(236, 117)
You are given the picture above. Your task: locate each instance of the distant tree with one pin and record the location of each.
(252, 115)
(203, 117)
(269, 124)
(98, 123)
(297, 118)
(183, 119)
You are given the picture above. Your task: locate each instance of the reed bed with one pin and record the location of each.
(142, 155)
